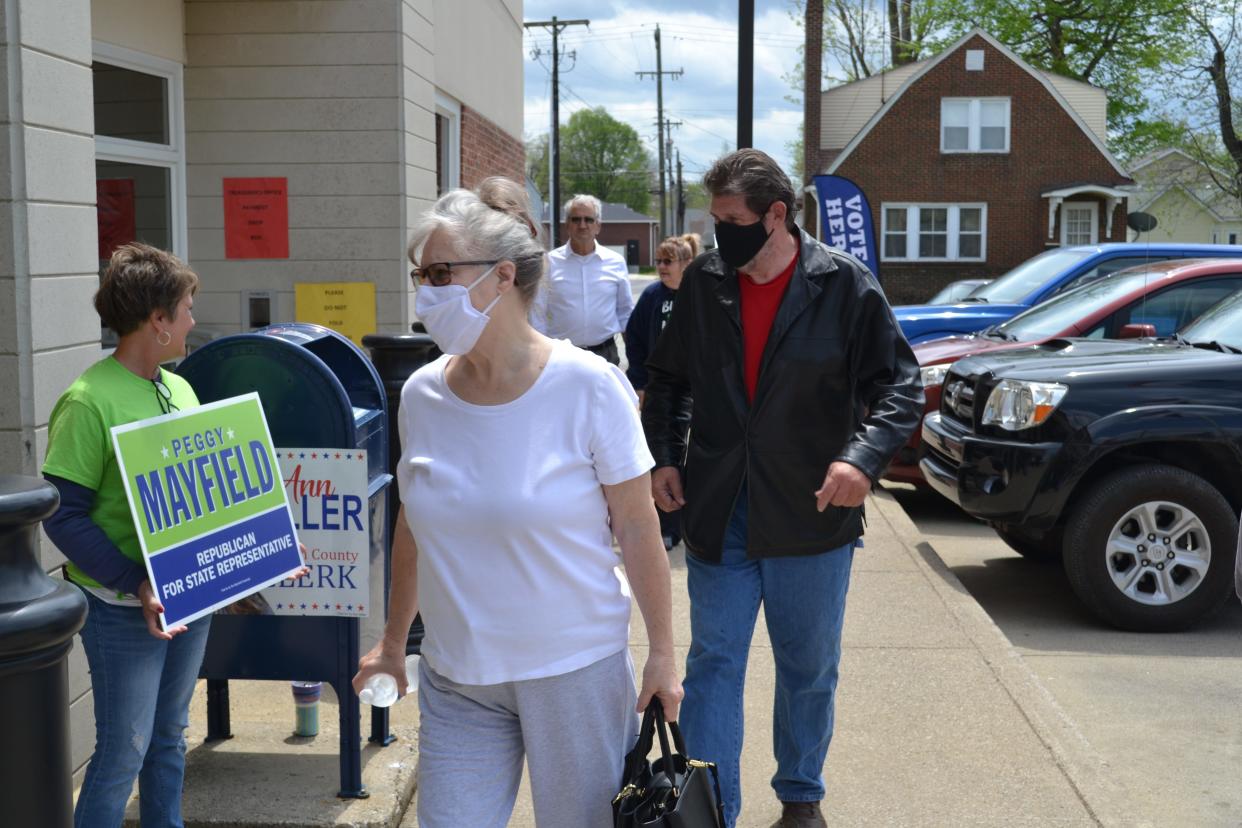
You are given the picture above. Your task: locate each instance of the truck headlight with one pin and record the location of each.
(1016, 404)
(934, 374)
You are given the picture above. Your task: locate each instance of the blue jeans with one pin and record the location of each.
(804, 604)
(142, 688)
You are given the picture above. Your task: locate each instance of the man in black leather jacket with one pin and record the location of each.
(778, 394)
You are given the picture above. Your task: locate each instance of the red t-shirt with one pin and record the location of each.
(759, 305)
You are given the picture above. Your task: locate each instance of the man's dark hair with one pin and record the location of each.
(755, 176)
(139, 280)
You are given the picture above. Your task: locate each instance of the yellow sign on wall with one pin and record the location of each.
(346, 307)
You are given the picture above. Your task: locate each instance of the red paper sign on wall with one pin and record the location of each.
(256, 218)
(117, 225)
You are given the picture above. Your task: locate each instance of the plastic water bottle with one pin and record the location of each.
(381, 688)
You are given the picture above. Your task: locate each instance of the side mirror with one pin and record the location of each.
(1137, 331)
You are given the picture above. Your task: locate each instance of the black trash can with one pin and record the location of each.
(395, 357)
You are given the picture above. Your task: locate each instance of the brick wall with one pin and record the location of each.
(900, 161)
(486, 149)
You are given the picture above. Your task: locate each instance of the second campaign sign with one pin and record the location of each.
(205, 491)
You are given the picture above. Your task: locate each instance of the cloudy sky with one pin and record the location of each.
(699, 36)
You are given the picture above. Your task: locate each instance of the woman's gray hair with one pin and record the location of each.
(491, 222)
(583, 200)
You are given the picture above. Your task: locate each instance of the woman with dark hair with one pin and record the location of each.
(522, 457)
(142, 676)
(651, 314)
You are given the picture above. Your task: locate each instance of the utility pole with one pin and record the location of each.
(745, 73)
(554, 140)
(659, 74)
(681, 199)
(668, 159)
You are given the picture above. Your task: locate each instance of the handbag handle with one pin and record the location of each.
(646, 737)
(662, 732)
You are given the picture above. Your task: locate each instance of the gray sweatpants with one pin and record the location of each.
(573, 730)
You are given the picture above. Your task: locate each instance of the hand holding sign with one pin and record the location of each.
(212, 522)
(152, 609)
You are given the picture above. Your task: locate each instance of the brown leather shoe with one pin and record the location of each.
(800, 815)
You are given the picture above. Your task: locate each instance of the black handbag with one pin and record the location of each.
(671, 792)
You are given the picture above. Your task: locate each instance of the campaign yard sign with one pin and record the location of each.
(327, 490)
(206, 497)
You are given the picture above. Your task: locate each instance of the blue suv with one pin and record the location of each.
(1040, 278)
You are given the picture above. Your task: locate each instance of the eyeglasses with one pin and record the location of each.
(164, 396)
(669, 261)
(439, 274)
(582, 219)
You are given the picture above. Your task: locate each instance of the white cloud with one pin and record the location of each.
(698, 36)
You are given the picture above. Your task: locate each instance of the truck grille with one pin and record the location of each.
(958, 400)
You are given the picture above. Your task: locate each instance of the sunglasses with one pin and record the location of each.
(439, 274)
(582, 219)
(163, 396)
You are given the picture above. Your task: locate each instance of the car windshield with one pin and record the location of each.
(1029, 276)
(954, 292)
(1050, 318)
(1221, 323)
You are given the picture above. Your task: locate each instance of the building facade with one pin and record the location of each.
(973, 161)
(150, 119)
(1186, 199)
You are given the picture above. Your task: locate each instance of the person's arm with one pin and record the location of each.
(625, 296)
(84, 542)
(388, 656)
(637, 345)
(889, 389)
(667, 401)
(637, 529)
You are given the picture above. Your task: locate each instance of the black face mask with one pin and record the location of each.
(740, 243)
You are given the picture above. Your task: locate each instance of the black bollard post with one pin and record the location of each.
(38, 617)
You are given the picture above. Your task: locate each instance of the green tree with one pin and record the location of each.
(1120, 45)
(600, 156)
(1203, 97)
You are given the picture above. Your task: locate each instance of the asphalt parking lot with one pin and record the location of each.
(1164, 711)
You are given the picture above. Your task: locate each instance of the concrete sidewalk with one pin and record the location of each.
(939, 723)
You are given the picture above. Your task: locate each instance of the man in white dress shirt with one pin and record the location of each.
(587, 298)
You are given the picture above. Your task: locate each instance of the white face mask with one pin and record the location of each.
(449, 316)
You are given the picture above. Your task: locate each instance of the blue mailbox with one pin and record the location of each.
(318, 390)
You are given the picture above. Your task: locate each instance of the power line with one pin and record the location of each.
(659, 74)
(554, 143)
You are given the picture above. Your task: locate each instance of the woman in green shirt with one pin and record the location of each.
(142, 676)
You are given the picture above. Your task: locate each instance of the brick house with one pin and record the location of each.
(973, 161)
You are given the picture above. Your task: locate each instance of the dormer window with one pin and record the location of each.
(974, 125)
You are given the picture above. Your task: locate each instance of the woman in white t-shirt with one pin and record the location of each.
(521, 458)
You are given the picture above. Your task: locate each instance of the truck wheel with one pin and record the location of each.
(1030, 545)
(1151, 548)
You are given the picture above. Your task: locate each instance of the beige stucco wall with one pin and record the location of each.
(1180, 219)
(482, 33)
(154, 27)
(334, 97)
(48, 331)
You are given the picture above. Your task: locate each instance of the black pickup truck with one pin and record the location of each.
(1124, 457)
